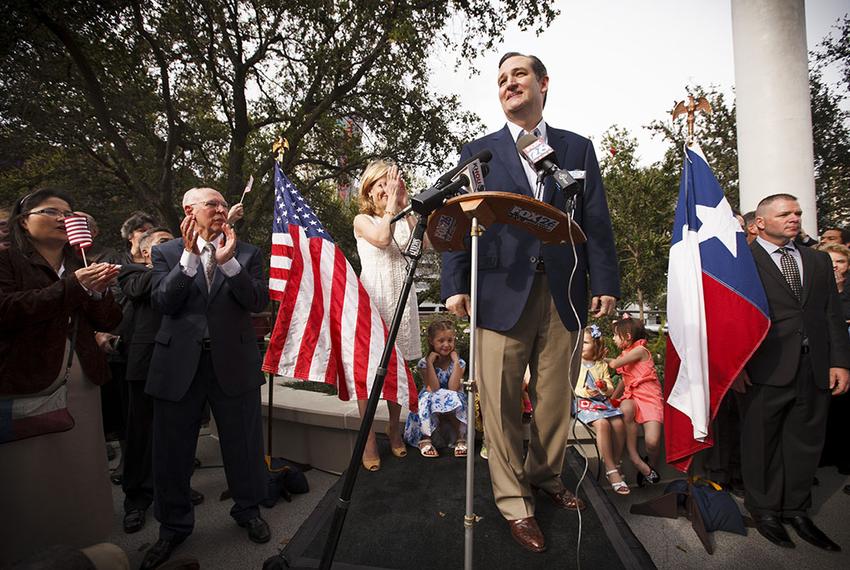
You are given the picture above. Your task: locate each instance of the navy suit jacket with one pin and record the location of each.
(508, 255)
(189, 310)
(817, 316)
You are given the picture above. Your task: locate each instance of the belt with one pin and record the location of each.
(206, 344)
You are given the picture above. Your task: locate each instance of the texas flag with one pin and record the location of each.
(716, 309)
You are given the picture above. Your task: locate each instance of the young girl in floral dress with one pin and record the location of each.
(442, 405)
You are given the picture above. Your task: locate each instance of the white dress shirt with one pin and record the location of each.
(516, 132)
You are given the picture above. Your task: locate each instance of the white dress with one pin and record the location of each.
(382, 274)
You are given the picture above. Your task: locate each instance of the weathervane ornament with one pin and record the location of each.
(279, 147)
(693, 105)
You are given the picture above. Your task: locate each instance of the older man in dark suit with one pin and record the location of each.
(532, 302)
(803, 359)
(206, 284)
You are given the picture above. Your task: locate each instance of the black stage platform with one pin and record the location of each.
(410, 515)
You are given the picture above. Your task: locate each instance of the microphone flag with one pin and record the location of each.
(327, 328)
(716, 307)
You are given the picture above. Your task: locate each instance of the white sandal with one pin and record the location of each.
(427, 449)
(620, 487)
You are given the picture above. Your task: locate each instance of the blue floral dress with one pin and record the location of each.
(432, 404)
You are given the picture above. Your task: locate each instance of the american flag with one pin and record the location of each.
(327, 328)
(77, 229)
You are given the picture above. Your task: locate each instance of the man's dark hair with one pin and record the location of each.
(23, 206)
(749, 218)
(536, 66)
(146, 237)
(845, 234)
(137, 219)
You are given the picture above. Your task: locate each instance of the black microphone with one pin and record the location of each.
(542, 159)
(482, 156)
(429, 200)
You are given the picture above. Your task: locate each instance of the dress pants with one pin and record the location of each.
(176, 427)
(722, 461)
(782, 433)
(138, 474)
(541, 341)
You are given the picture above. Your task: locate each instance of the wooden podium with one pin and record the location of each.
(448, 226)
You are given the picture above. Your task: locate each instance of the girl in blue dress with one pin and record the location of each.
(442, 405)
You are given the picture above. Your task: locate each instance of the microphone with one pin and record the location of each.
(542, 159)
(429, 200)
(481, 156)
(475, 172)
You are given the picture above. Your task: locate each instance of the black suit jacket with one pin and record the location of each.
(139, 335)
(817, 316)
(189, 310)
(508, 254)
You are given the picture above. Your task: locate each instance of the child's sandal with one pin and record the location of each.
(620, 487)
(427, 449)
(460, 448)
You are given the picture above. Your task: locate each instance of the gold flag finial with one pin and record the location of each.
(691, 107)
(279, 147)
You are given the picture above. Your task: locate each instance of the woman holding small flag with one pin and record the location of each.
(55, 483)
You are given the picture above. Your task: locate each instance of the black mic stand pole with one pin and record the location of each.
(414, 252)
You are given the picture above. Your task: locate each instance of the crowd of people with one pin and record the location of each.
(169, 321)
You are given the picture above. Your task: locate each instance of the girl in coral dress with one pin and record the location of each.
(640, 395)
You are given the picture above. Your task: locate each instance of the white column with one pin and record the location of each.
(774, 114)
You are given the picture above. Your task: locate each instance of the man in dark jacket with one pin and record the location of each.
(803, 360)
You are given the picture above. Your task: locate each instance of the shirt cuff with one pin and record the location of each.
(189, 263)
(231, 267)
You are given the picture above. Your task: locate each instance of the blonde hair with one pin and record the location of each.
(836, 248)
(376, 170)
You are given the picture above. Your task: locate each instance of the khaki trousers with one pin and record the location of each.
(540, 341)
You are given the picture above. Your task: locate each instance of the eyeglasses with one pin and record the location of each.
(213, 204)
(52, 212)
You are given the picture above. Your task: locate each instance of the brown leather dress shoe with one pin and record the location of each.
(528, 534)
(565, 499)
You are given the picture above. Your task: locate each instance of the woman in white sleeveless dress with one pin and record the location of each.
(383, 268)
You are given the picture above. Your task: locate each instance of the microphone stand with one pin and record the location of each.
(414, 253)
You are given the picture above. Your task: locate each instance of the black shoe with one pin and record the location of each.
(771, 528)
(134, 520)
(160, 552)
(258, 530)
(196, 497)
(117, 478)
(847, 489)
(807, 530)
(650, 479)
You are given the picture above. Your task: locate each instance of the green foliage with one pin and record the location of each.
(130, 103)
(641, 201)
(831, 128)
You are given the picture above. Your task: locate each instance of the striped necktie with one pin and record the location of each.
(209, 264)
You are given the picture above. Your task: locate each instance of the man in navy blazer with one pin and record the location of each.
(206, 285)
(532, 301)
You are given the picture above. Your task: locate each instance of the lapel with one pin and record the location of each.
(558, 142)
(807, 257)
(504, 146)
(767, 266)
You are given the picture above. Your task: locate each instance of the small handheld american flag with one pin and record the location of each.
(79, 234)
